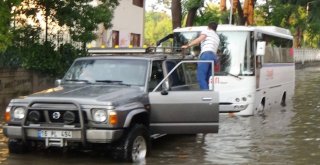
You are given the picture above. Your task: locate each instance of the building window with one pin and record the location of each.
(138, 3)
(135, 40)
(115, 38)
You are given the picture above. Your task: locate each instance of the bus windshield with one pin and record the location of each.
(235, 57)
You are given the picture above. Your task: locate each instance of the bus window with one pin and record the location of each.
(277, 49)
(248, 65)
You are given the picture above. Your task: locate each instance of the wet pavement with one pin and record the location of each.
(289, 135)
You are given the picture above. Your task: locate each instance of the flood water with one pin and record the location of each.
(289, 135)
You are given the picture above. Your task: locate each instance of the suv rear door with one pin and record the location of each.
(181, 107)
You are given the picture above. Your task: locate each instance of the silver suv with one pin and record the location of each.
(121, 101)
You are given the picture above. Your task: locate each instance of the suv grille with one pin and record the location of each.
(61, 114)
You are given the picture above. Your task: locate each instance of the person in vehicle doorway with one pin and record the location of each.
(209, 40)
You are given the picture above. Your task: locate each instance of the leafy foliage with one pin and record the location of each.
(210, 13)
(157, 25)
(188, 5)
(5, 18)
(293, 15)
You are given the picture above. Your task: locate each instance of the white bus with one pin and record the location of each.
(256, 69)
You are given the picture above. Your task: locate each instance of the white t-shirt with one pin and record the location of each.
(211, 43)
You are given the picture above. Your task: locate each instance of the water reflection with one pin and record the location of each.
(306, 123)
(288, 135)
(253, 139)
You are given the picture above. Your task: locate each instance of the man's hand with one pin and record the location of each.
(184, 46)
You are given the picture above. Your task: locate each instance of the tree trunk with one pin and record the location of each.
(298, 38)
(176, 13)
(242, 20)
(191, 15)
(223, 6)
(234, 5)
(248, 11)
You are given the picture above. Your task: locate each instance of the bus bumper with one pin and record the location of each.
(237, 109)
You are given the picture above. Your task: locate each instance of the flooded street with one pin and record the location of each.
(288, 135)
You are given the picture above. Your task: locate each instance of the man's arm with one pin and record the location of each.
(195, 41)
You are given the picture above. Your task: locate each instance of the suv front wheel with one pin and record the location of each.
(135, 146)
(17, 146)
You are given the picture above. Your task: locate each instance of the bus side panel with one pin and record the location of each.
(276, 80)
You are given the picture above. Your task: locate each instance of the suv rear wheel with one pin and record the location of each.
(135, 146)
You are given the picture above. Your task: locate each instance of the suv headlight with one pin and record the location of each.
(104, 115)
(18, 113)
(100, 115)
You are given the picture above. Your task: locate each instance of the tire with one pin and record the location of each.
(260, 109)
(16, 146)
(135, 145)
(283, 100)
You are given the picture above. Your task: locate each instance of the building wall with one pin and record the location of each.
(128, 18)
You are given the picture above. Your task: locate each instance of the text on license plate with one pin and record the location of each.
(54, 134)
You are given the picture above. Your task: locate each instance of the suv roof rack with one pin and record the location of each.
(116, 50)
(150, 50)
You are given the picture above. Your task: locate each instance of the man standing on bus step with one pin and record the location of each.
(209, 40)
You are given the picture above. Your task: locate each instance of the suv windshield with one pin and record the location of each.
(118, 71)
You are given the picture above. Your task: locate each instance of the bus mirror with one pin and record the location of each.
(259, 36)
(261, 48)
(57, 82)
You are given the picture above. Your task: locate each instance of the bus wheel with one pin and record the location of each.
(283, 100)
(260, 108)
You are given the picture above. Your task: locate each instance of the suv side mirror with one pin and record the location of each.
(165, 88)
(164, 92)
(261, 48)
(57, 82)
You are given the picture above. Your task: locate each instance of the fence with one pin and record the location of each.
(306, 55)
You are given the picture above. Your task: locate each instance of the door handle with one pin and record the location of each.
(206, 99)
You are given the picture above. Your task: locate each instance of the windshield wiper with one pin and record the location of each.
(113, 81)
(236, 76)
(78, 80)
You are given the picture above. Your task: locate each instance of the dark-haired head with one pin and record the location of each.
(213, 26)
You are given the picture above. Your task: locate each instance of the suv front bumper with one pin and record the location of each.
(91, 135)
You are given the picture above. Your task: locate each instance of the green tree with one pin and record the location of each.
(5, 19)
(210, 13)
(49, 34)
(293, 15)
(313, 23)
(192, 7)
(157, 25)
(78, 17)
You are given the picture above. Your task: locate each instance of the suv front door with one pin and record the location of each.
(181, 107)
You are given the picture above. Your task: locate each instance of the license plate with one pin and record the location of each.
(54, 134)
